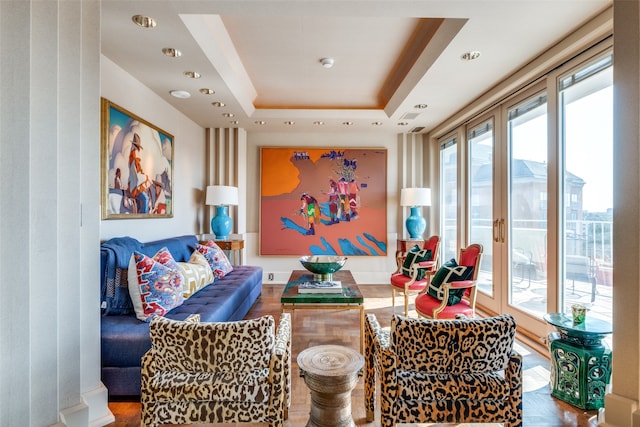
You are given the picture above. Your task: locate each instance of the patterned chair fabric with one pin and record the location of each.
(419, 275)
(443, 371)
(226, 372)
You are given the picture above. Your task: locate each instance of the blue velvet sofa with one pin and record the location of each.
(124, 338)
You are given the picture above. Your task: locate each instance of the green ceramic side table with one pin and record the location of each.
(580, 360)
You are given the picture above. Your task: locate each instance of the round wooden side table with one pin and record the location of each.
(330, 372)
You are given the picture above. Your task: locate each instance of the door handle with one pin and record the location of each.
(502, 230)
(496, 231)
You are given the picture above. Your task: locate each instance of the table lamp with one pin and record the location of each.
(414, 198)
(221, 196)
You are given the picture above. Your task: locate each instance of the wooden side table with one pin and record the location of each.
(331, 372)
(404, 246)
(234, 247)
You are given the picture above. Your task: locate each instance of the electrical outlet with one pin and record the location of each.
(270, 276)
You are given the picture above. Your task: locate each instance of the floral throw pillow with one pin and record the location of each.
(217, 259)
(155, 284)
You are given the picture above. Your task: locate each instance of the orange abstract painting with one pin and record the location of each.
(323, 201)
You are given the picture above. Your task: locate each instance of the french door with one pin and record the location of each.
(508, 205)
(537, 193)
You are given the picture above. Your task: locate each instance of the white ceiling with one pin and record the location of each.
(262, 57)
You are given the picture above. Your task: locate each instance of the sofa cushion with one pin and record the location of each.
(212, 346)
(414, 385)
(155, 284)
(197, 274)
(124, 339)
(228, 386)
(115, 255)
(217, 259)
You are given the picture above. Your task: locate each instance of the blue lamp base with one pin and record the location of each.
(415, 223)
(221, 224)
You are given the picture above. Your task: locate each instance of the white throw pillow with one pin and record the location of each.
(197, 274)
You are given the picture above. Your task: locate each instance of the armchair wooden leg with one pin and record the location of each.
(406, 304)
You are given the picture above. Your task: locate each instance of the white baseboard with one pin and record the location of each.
(93, 411)
(98, 402)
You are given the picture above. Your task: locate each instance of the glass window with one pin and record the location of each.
(448, 198)
(586, 108)
(481, 183)
(528, 177)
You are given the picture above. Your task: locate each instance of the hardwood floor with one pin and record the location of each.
(311, 327)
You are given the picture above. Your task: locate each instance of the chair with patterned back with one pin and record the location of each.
(452, 289)
(443, 371)
(227, 372)
(414, 270)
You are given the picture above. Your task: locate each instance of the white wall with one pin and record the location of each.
(622, 405)
(365, 269)
(188, 165)
(404, 157)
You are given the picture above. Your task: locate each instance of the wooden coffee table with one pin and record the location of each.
(350, 298)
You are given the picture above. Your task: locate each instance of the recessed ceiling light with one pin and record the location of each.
(207, 91)
(403, 123)
(218, 104)
(144, 21)
(289, 122)
(192, 74)
(169, 51)
(228, 115)
(470, 56)
(318, 123)
(347, 123)
(420, 106)
(327, 62)
(183, 94)
(260, 122)
(378, 123)
(234, 122)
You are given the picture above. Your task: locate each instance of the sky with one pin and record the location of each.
(588, 145)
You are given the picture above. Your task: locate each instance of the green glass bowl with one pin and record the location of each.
(323, 264)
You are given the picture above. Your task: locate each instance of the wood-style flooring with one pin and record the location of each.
(315, 327)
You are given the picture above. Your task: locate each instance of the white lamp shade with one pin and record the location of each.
(415, 197)
(218, 195)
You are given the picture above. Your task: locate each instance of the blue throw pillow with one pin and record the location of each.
(449, 272)
(415, 255)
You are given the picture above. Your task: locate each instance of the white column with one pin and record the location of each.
(621, 405)
(49, 219)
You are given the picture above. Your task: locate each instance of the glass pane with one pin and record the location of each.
(481, 199)
(527, 133)
(448, 199)
(587, 196)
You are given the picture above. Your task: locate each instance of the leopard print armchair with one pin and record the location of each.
(443, 371)
(227, 372)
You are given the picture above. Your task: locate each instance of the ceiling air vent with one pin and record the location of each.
(409, 116)
(417, 129)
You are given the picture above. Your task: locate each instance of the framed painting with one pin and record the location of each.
(136, 166)
(323, 201)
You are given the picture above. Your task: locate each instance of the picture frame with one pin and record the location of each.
(323, 201)
(136, 166)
